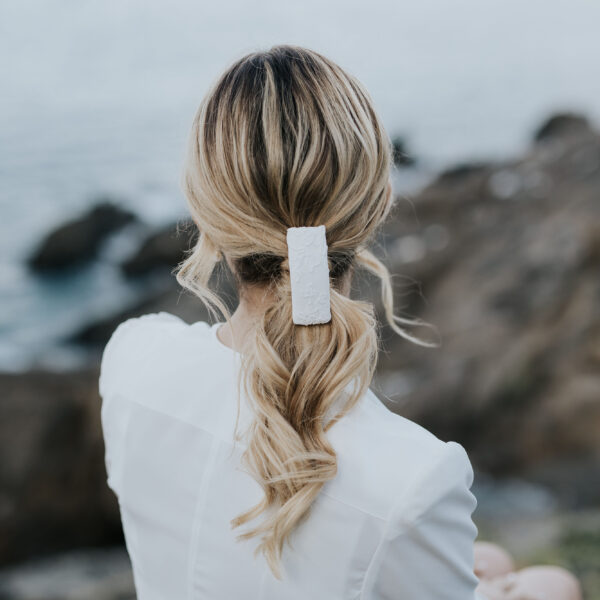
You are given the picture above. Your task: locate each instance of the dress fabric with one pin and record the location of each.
(395, 523)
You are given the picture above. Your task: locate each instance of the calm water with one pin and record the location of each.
(98, 98)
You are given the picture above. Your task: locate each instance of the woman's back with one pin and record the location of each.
(393, 523)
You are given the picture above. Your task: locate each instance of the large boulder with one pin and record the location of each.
(78, 241)
(503, 260)
(162, 250)
(53, 492)
(562, 124)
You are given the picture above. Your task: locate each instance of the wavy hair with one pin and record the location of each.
(286, 138)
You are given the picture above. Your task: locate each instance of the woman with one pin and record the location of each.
(266, 422)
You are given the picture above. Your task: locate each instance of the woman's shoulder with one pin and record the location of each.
(143, 343)
(428, 511)
(140, 326)
(386, 460)
(389, 434)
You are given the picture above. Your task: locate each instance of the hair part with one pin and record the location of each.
(286, 138)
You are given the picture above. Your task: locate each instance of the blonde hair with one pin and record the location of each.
(286, 138)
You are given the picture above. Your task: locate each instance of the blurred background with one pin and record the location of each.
(493, 107)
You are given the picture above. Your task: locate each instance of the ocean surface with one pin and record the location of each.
(97, 99)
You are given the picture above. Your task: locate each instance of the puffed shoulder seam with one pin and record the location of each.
(118, 338)
(451, 471)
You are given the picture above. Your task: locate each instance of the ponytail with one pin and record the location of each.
(294, 376)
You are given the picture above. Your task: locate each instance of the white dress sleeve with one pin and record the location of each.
(125, 349)
(427, 548)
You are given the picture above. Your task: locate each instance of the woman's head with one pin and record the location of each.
(286, 138)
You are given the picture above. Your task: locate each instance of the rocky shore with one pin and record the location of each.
(502, 258)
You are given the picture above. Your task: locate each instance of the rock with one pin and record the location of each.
(171, 298)
(402, 158)
(52, 475)
(460, 171)
(562, 124)
(514, 292)
(78, 241)
(161, 250)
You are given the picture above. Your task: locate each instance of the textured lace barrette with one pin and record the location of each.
(309, 275)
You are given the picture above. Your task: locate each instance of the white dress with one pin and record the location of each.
(395, 523)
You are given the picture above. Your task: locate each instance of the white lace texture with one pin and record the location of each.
(309, 275)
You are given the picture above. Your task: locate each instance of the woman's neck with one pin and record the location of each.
(251, 306)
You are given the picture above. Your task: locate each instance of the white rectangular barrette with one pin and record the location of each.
(309, 275)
